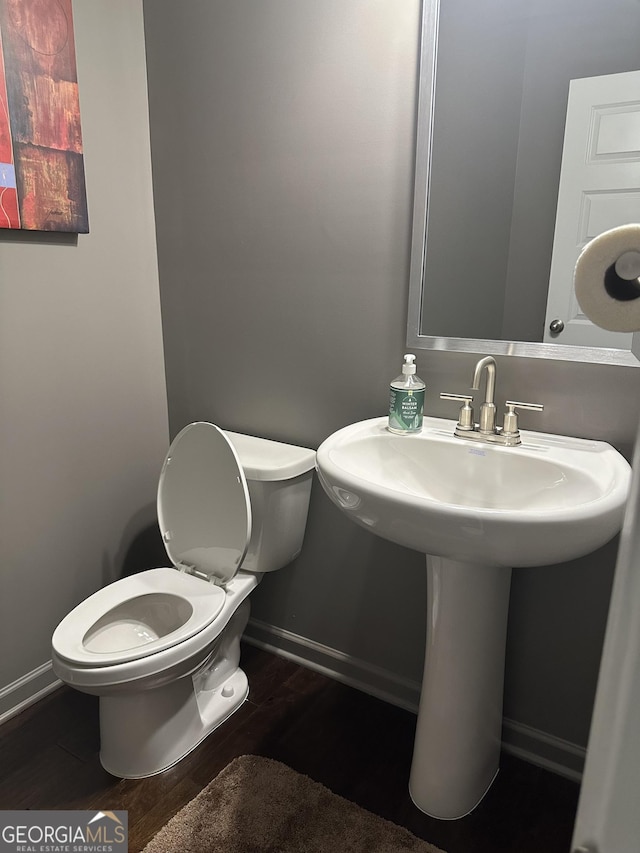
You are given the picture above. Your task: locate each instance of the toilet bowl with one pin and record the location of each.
(162, 648)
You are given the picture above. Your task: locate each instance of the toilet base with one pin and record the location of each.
(146, 733)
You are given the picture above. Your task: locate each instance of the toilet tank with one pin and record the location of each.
(279, 479)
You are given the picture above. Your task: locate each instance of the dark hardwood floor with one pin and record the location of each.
(356, 745)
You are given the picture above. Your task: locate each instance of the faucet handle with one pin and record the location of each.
(465, 416)
(510, 426)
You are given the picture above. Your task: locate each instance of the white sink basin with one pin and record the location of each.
(549, 500)
(475, 510)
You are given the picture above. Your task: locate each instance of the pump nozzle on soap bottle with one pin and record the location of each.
(406, 400)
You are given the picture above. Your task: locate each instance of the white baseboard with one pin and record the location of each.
(546, 751)
(349, 670)
(26, 690)
(532, 745)
(537, 747)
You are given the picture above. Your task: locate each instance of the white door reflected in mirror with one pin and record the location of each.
(599, 190)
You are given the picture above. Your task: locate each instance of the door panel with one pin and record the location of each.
(599, 190)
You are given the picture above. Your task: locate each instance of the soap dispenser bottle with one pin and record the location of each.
(406, 400)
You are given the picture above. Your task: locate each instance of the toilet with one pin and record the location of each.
(162, 648)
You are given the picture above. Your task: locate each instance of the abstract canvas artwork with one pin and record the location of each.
(42, 185)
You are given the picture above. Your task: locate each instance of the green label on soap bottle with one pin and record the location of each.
(406, 410)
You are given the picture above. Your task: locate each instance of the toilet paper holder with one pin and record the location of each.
(607, 279)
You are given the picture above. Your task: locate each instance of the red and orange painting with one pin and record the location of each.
(42, 186)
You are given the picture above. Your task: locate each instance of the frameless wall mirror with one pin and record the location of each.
(528, 146)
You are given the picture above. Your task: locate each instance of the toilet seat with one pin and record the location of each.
(173, 661)
(204, 510)
(94, 632)
(204, 514)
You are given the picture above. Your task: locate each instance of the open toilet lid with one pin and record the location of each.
(204, 510)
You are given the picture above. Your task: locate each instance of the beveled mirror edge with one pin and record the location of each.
(415, 339)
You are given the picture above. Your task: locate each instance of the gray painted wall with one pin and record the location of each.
(282, 143)
(83, 424)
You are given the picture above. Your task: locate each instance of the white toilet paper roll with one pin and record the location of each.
(607, 279)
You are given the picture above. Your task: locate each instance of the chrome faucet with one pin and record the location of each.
(486, 430)
(487, 425)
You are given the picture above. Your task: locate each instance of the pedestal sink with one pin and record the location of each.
(476, 510)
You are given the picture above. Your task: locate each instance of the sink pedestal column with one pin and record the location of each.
(458, 734)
